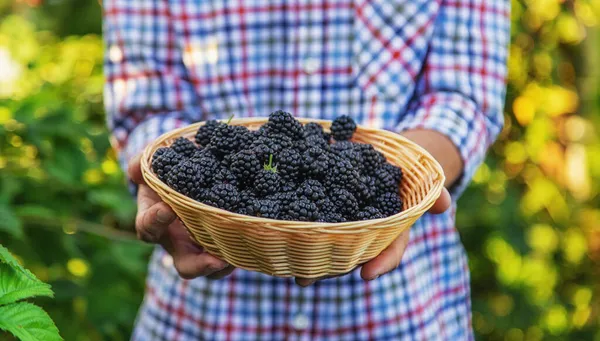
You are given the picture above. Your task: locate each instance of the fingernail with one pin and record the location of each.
(374, 278)
(164, 216)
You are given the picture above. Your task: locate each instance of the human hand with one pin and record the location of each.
(157, 223)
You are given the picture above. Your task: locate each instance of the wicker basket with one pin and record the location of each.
(304, 249)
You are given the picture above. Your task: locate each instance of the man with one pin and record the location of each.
(433, 70)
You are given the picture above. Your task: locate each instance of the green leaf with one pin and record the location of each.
(16, 282)
(10, 223)
(28, 322)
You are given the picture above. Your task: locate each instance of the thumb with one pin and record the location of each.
(442, 203)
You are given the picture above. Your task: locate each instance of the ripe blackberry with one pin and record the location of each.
(163, 160)
(369, 212)
(206, 132)
(184, 147)
(208, 167)
(344, 201)
(264, 145)
(396, 172)
(312, 190)
(185, 178)
(225, 176)
(365, 191)
(284, 199)
(245, 165)
(384, 181)
(388, 204)
(288, 163)
(339, 146)
(315, 163)
(267, 182)
(248, 203)
(302, 210)
(229, 139)
(341, 174)
(281, 122)
(268, 208)
(355, 158)
(223, 196)
(332, 218)
(342, 128)
(315, 129)
(372, 159)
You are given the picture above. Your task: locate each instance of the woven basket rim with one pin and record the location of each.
(423, 205)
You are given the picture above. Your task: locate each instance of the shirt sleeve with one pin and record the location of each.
(147, 90)
(462, 86)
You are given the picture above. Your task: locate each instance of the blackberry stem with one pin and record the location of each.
(269, 167)
(230, 118)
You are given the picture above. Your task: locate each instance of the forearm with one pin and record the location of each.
(442, 149)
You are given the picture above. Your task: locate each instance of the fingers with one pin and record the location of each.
(153, 217)
(305, 282)
(442, 203)
(192, 265)
(134, 170)
(387, 260)
(222, 273)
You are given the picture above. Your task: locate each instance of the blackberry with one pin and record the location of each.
(248, 203)
(365, 190)
(316, 141)
(184, 147)
(208, 167)
(396, 172)
(344, 201)
(341, 174)
(185, 178)
(225, 176)
(384, 181)
(388, 204)
(342, 128)
(302, 210)
(281, 122)
(264, 145)
(224, 196)
(312, 190)
(266, 182)
(268, 208)
(289, 163)
(372, 159)
(163, 160)
(333, 218)
(206, 132)
(284, 199)
(245, 165)
(369, 212)
(229, 139)
(315, 129)
(355, 158)
(326, 206)
(315, 163)
(339, 146)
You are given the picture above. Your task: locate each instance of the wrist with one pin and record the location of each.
(441, 148)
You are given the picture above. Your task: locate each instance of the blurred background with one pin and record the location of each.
(530, 221)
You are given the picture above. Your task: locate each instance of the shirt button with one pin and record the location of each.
(311, 65)
(300, 322)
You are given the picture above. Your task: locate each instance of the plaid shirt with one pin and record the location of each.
(434, 64)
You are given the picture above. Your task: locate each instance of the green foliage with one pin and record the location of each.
(26, 321)
(529, 222)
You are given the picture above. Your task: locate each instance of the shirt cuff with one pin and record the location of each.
(143, 134)
(458, 119)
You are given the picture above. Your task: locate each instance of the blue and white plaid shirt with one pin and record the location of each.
(398, 65)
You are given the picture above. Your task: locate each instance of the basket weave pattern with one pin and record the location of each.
(304, 249)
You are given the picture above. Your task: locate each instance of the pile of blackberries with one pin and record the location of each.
(284, 170)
